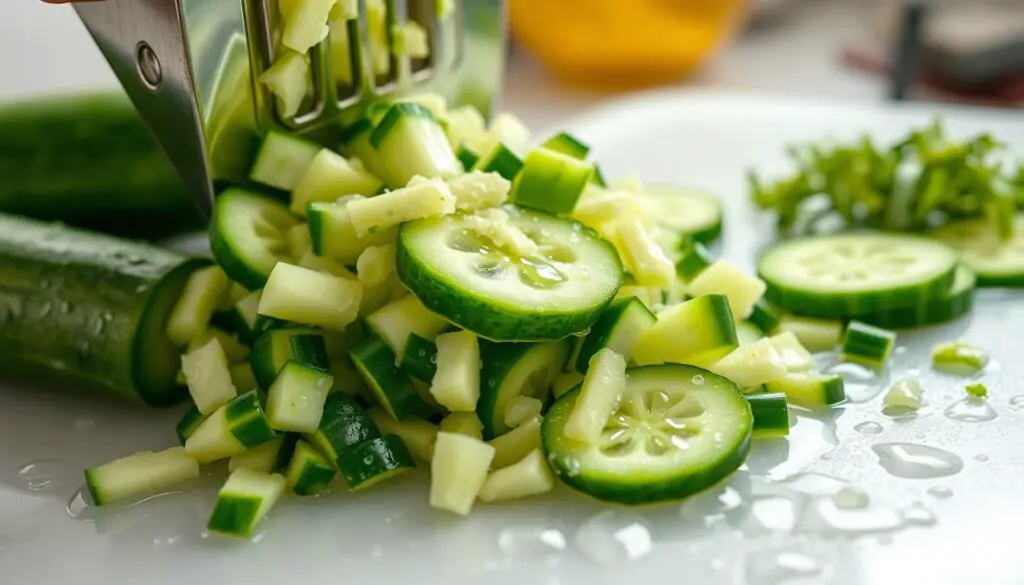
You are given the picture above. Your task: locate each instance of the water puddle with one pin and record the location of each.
(914, 461)
(614, 537)
(970, 410)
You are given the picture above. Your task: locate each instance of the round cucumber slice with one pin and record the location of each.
(955, 303)
(994, 262)
(498, 294)
(248, 235)
(694, 213)
(851, 274)
(509, 370)
(678, 430)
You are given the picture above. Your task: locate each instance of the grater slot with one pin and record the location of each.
(386, 83)
(423, 13)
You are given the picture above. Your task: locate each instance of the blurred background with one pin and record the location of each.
(571, 53)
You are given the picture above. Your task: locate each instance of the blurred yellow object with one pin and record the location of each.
(624, 42)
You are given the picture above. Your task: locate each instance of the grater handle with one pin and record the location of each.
(144, 42)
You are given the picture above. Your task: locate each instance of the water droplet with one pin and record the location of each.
(1017, 401)
(166, 540)
(45, 309)
(824, 517)
(773, 514)
(40, 475)
(861, 383)
(869, 428)
(108, 316)
(982, 458)
(913, 461)
(851, 498)
(80, 506)
(940, 492)
(918, 515)
(531, 543)
(697, 380)
(613, 537)
(780, 567)
(711, 504)
(717, 564)
(970, 410)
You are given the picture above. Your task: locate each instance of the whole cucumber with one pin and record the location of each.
(88, 310)
(89, 160)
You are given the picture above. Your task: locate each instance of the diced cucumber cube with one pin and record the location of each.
(528, 477)
(289, 80)
(244, 501)
(230, 430)
(417, 434)
(309, 471)
(465, 124)
(463, 423)
(397, 320)
(699, 331)
(138, 474)
(282, 160)
(205, 290)
(522, 409)
(329, 177)
(751, 365)
(549, 181)
(304, 296)
(305, 24)
(644, 259)
(387, 210)
(794, 355)
(375, 265)
(188, 424)
(810, 390)
(499, 159)
(411, 142)
(456, 383)
(267, 457)
(742, 289)
(234, 350)
(392, 388)
(568, 145)
(343, 425)
(295, 401)
(458, 471)
(208, 376)
(333, 236)
(276, 347)
(374, 461)
(507, 128)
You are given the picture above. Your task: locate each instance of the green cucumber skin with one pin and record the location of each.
(957, 303)
(497, 359)
(344, 425)
(770, 412)
(373, 461)
(419, 359)
(88, 311)
(247, 421)
(305, 345)
(234, 515)
(188, 424)
(89, 160)
(392, 388)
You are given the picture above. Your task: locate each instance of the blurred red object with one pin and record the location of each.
(1004, 93)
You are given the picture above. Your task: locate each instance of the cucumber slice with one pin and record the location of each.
(293, 293)
(205, 290)
(619, 329)
(694, 213)
(417, 434)
(476, 190)
(550, 181)
(329, 176)
(395, 322)
(309, 472)
(209, 380)
(333, 236)
(528, 477)
(751, 365)
(458, 472)
(269, 457)
(771, 414)
(501, 295)
(419, 359)
(499, 159)
(278, 346)
(810, 390)
(677, 431)
(597, 398)
(282, 160)
(188, 424)
(994, 262)
(373, 461)
(247, 236)
(694, 260)
(295, 400)
(568, 145)
(814, 334)
(747, 333)
(463, 423)
(230, 430)
(410, 141)
(243, 501)
(343, 425)
(957, 302)
(516, 444)
(724, 278)
(699, 331)
(867, 344)
(392, 389)
(456, 383)
(515, 369)
(852, 274)
(139, 473)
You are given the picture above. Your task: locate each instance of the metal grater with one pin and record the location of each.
(189, 66)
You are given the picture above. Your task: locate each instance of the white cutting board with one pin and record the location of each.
(774, 523)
